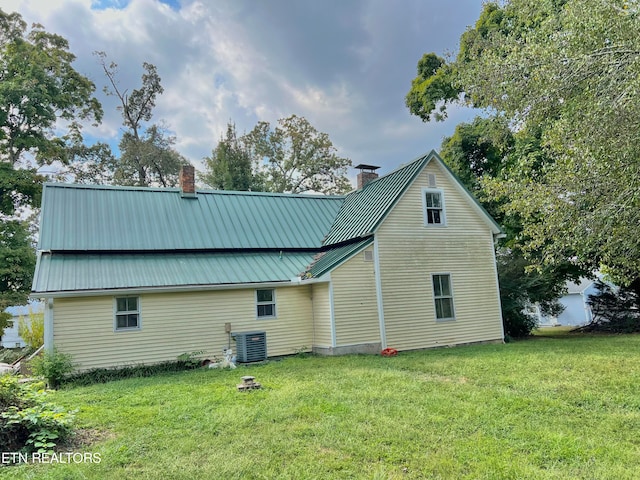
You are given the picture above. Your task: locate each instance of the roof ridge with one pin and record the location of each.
(200, 191)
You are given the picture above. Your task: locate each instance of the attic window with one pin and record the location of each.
(368, 256)
(127, 313)
(433, 205)
(266, 303)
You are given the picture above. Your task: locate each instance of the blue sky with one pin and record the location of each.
(344, 65)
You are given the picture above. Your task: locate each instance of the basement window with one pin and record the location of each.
(443, 296)
(433, 206)
(266, 303)
(127, 313)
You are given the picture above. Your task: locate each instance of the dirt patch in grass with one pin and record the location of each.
(83, 438)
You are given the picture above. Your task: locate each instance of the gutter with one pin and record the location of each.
(294, 282)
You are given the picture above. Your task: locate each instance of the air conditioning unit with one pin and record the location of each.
(250, 346)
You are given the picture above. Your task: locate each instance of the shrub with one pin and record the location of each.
(32, 331)
(53, 366)
(27, 421)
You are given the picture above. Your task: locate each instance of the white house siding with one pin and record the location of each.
(176, 323)
(355, 302)
(321, 315)
(410, 253)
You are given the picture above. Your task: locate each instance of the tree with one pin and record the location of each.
(294, 158)
(569, 69)
(483, 152)
(43, 104)
(230, 166)
(39, 87)
(614, 309)
(149, 159)
(17, 263)
(147, 153)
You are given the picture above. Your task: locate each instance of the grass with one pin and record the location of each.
(561, 407)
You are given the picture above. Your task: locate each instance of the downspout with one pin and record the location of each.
(376, 258)
(332, 315)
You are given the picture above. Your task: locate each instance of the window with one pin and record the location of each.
(433, 202)
(266, 303)
(127, 313)
(443, 296)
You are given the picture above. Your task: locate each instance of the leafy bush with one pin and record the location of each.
(27, 421)
(32, 331)
(53, 366)
(615, 310)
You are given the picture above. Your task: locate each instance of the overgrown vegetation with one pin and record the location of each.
(28, 422)
(54, 366)
(186, 361)
(10, 355)
(546, 408)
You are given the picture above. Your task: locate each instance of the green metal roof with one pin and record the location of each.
(364, 209)
(99, 218)
(95, 238)
(330, 259)
(59, 273)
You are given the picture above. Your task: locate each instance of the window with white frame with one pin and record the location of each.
(433, 204)
(127, 313)
(443, 296)
(266, 303)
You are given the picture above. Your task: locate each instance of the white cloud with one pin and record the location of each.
(345, 66)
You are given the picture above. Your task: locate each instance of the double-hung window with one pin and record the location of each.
(265, 303)
(433, 204)
(127, 313)
(443, 296)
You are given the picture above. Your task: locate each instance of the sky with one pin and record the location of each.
(344, 65)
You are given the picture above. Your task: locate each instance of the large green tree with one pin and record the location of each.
(295, 157)
(484, 151)
(147, 153)
(230, 166)
(44, 102)
(570, 71)
(39, 87)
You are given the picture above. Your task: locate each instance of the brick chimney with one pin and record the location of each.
(188, 181)
(366, 175)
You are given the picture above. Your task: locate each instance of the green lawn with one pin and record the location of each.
(566, 406)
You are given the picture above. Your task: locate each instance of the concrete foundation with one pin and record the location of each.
(367, 348)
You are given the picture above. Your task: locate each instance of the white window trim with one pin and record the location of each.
(452, 296)
(273, 301)
(443, 216)
(115, 314)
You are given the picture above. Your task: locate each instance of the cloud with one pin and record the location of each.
(345, 66)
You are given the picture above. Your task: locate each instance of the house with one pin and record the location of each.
(577, 311)
(10, 337)
(132, 275)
